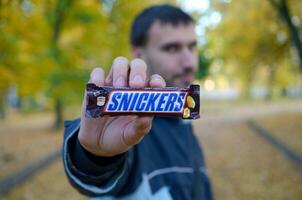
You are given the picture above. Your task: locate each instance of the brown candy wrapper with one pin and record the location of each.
(170, 101)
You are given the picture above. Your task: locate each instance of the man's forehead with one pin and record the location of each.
(164, 32)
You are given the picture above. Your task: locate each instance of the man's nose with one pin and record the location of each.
(188, 58)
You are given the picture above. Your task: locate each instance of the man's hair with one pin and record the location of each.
(164, 13)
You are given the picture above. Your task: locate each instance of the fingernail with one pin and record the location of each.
(120, 82)
(137, 79)
(157, 78)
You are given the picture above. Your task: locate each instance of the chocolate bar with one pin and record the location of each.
(169, 101)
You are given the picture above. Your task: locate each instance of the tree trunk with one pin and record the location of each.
(271, 82)
(59, 13)
(246, 94)
(249, 79)
(2, 107)
(282, 7)
(58, 113)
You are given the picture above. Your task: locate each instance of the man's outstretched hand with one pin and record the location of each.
(109, 136)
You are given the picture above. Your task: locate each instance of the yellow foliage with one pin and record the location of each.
(250, 37)
(89, 33)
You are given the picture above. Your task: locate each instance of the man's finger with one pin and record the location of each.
(109, 79)
(135, 130)
(137, 78)
(97, 76)
(156, 81)
(120, 69)
(88, 135)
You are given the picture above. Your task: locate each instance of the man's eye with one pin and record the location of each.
(171, 48)
(192, 47)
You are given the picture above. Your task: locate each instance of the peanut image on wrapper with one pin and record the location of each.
(186, 113)
(190, 102)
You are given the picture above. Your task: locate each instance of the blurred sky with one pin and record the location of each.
(191, 5)
(209, 18)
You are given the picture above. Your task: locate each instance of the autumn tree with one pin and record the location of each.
(17, 50)
(283, 8)
(251, 44)
(93, 31)
(49, 47)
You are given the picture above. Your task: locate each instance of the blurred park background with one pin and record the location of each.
(250, 72)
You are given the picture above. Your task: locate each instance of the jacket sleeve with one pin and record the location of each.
(89, 174)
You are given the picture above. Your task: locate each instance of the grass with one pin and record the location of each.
(48, 184)
(286, 128)
(24, 140)
(243, 166)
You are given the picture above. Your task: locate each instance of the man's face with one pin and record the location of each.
(171, 52)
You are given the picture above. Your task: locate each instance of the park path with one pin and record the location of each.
(234, 112)
(240, 163)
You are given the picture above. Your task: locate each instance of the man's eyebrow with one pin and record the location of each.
(169, 44)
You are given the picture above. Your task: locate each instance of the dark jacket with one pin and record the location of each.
(166, 164)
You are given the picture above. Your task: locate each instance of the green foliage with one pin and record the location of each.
(203, 66)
